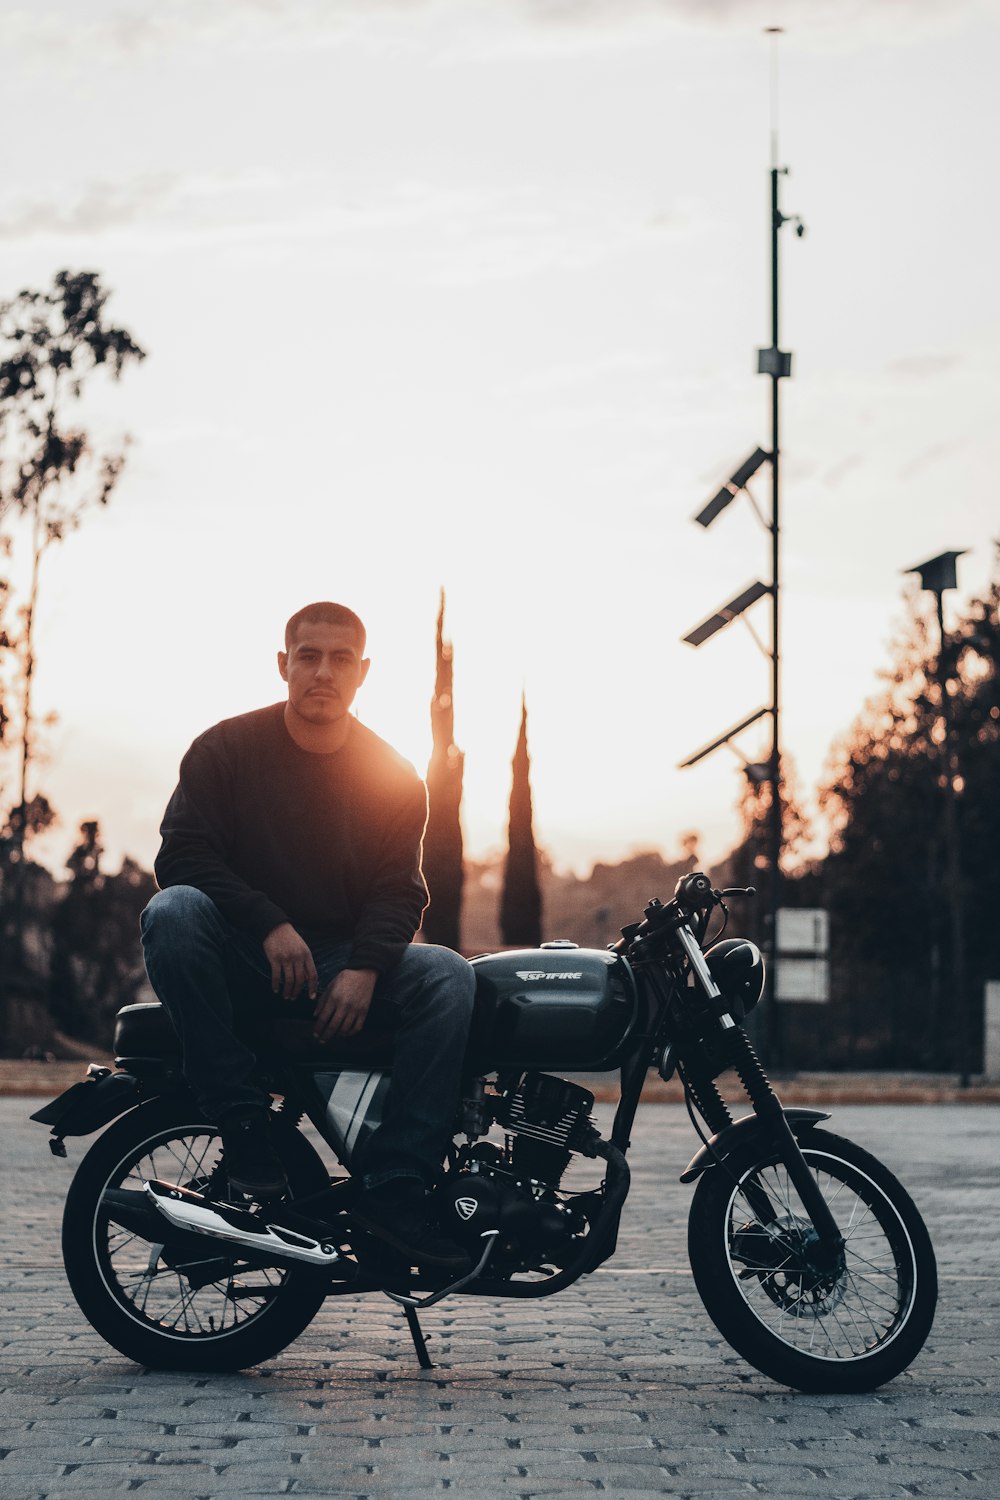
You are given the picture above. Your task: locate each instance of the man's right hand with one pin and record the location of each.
(292, 967)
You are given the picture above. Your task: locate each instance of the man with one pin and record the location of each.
(290, 865)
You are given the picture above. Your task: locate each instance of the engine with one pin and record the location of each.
(514, 1189)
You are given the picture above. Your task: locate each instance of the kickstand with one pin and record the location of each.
(417, 1334)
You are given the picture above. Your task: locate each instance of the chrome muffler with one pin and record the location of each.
(195, 1214)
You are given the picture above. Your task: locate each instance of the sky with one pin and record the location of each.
(467, 294)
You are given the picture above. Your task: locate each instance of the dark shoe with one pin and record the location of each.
(397, 1213)
(252, 1164)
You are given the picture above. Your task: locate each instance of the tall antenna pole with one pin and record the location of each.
(777, 364)
(774, 32)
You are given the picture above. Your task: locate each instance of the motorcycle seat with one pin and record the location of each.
(144, 1034)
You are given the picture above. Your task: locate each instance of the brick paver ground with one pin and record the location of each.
(620, 1384)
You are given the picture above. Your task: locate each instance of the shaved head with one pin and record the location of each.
(325, 613)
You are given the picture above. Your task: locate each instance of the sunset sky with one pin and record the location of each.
(468, 293)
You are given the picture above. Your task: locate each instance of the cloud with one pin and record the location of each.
(136, 205)
(923, 366)
(555, 28)
(844, 14)
(102, 206)
(458, 30)
(456, 236)
(838, 472)
(560, 380)
(933, 454)
(113, 32)
(499, 249)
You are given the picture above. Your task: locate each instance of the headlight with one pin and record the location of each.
(738, 969)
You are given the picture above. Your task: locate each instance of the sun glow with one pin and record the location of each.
(506, 353)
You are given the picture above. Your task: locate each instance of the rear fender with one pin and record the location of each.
(746, 1132)
(88, 1105)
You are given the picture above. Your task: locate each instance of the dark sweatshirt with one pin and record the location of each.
(274, 833)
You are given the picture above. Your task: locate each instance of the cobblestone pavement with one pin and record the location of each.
(619, 1384)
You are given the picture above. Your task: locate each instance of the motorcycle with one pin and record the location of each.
(809, 1256)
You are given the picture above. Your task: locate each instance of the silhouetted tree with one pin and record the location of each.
(885, 877)
(521, 899)
(51, 345)
(442, 858)
(749, 864)
(19, 879)
(96, 959)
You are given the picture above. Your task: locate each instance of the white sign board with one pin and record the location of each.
(803, 929)
(991, 1031)
(802, 979)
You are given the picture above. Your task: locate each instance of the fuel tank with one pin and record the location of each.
(553, 1008)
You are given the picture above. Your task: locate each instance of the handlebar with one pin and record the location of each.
(693, 896)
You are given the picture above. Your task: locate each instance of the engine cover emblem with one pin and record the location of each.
(466, 1207)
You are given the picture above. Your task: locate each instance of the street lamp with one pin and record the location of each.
(936, 575)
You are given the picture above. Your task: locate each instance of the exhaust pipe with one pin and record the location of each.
(270, 1243)
(135, 1212)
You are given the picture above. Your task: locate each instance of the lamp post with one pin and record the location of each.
(936, 575)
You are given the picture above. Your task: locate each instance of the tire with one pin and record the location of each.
(848, 1330)
(126, 1289)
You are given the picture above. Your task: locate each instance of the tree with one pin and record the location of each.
(749, 863)
(96, 963)
(521, 899)
(442, 858)
(885, 877)
(52, 344)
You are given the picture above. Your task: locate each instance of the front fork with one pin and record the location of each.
(767, 1107)
(778, 1134)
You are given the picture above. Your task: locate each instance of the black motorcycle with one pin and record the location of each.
(809, 1256)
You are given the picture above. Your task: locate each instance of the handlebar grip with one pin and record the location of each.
(695, 891)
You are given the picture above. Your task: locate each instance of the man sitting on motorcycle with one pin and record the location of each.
(290, 865)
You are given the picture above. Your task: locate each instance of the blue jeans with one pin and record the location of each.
(208, 975)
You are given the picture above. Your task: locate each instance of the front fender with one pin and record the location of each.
(744, 1132)
(88, 1105)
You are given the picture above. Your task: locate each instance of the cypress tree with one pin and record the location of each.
(442, 859)
(521, 900)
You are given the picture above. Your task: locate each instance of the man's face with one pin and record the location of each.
(324, 669)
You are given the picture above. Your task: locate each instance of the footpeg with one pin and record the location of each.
(197, 1214)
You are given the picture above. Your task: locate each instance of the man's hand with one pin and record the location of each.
(344, 1004)
(292, 967)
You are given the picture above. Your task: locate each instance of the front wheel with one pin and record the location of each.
(759, 1270)
(207, 1311)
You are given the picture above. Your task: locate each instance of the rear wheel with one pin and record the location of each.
(761, 1274)
(204, 1309)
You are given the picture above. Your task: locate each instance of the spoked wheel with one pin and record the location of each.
(193, 1305)
(773, 1295)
